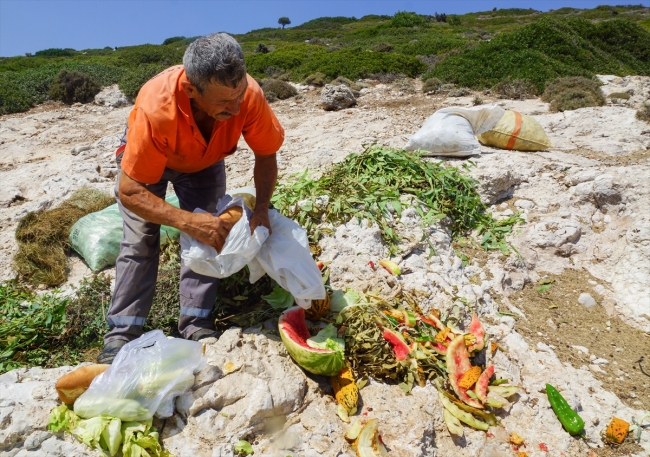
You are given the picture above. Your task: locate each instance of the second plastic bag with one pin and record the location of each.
(145, 377)
(286, 258)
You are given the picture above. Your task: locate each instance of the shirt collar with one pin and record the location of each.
(182, 100)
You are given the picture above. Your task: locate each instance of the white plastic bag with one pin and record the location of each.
(239, 249)
(286, 258)
(451, 131)
(145, 377)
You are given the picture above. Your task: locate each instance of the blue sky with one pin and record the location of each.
(32, 25)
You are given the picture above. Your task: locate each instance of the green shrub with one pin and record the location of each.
(56, 52)
(643, 114)
(134, 56)
(262, 48)
(316, 79)
(281, 89)
(341, 80)
(452, 19)
(407, 19)
(12, 99)
(382, 47)
(517, 89)
(621, 95)
(431, 85)
(477, 101)
(73, 86)
(356, 63)
(133, 81)
(173, 39)
(572, 93)
(547, 49)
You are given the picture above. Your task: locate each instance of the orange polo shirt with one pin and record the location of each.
(162, 132)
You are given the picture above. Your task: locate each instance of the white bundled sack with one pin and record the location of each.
(239, 249)
(145, 377)
(451, 131)
(286, 258)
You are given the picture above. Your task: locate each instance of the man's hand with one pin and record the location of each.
(259, 218)
(208, 229)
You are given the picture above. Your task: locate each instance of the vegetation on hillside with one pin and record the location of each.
(475, 50)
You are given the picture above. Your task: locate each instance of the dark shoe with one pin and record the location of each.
(205, 333)
(110, 351)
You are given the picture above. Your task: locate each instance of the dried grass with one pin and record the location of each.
(43, 237)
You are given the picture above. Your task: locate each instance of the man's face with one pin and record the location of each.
(218, 101)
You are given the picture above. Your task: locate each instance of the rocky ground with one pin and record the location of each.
(585, 203)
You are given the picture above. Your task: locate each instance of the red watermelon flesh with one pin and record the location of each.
(482, 384)
(399, 346)
(476, 329)
(295, 327)
(457, 364)
(294, 334)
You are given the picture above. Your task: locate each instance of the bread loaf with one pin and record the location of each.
(232, 214)
(72, 385)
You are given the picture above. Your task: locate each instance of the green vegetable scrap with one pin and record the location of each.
(372, 185)
(570, 420)
(109, 434)
(243, 447)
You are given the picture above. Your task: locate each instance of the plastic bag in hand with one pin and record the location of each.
(286, 258)
(239, 249)
(145, 377)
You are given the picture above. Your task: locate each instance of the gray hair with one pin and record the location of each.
(216, 57)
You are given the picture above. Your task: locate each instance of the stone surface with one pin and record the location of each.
(585, 203)
(112, 96)
(586, 300)
(336, 97)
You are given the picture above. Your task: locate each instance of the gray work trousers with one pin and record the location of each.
(136, 268)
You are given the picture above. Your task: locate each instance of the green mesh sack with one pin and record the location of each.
(97, 236)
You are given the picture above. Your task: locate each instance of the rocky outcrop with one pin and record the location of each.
(334, 98)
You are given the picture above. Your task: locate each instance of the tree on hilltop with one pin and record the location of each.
(284, 21)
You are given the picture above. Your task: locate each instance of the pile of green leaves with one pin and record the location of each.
(369, 186)
(50, 330)
(109, 435)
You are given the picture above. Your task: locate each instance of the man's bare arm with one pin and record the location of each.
(203, 226)
(265, 175)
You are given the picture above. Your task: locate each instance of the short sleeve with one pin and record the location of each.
(262, 130)
(144, 160)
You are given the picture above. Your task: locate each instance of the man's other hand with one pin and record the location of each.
(209, 229)
(259, 218)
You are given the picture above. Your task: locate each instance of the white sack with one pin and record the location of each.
(451, 131)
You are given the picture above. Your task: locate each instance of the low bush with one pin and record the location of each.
(56, 52)
(477, 101)
(173, 39)
(262, 48)
(73, 86)
(316, 79)
(460, 92)
(407, 19)
(620, 95)
(452, 19)
(515, 89)
(548, 49)
(382, 47)
(133, 81)
(643, 114)
(341, 80)
(281, 89)
(431, 85)
(572, 93)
